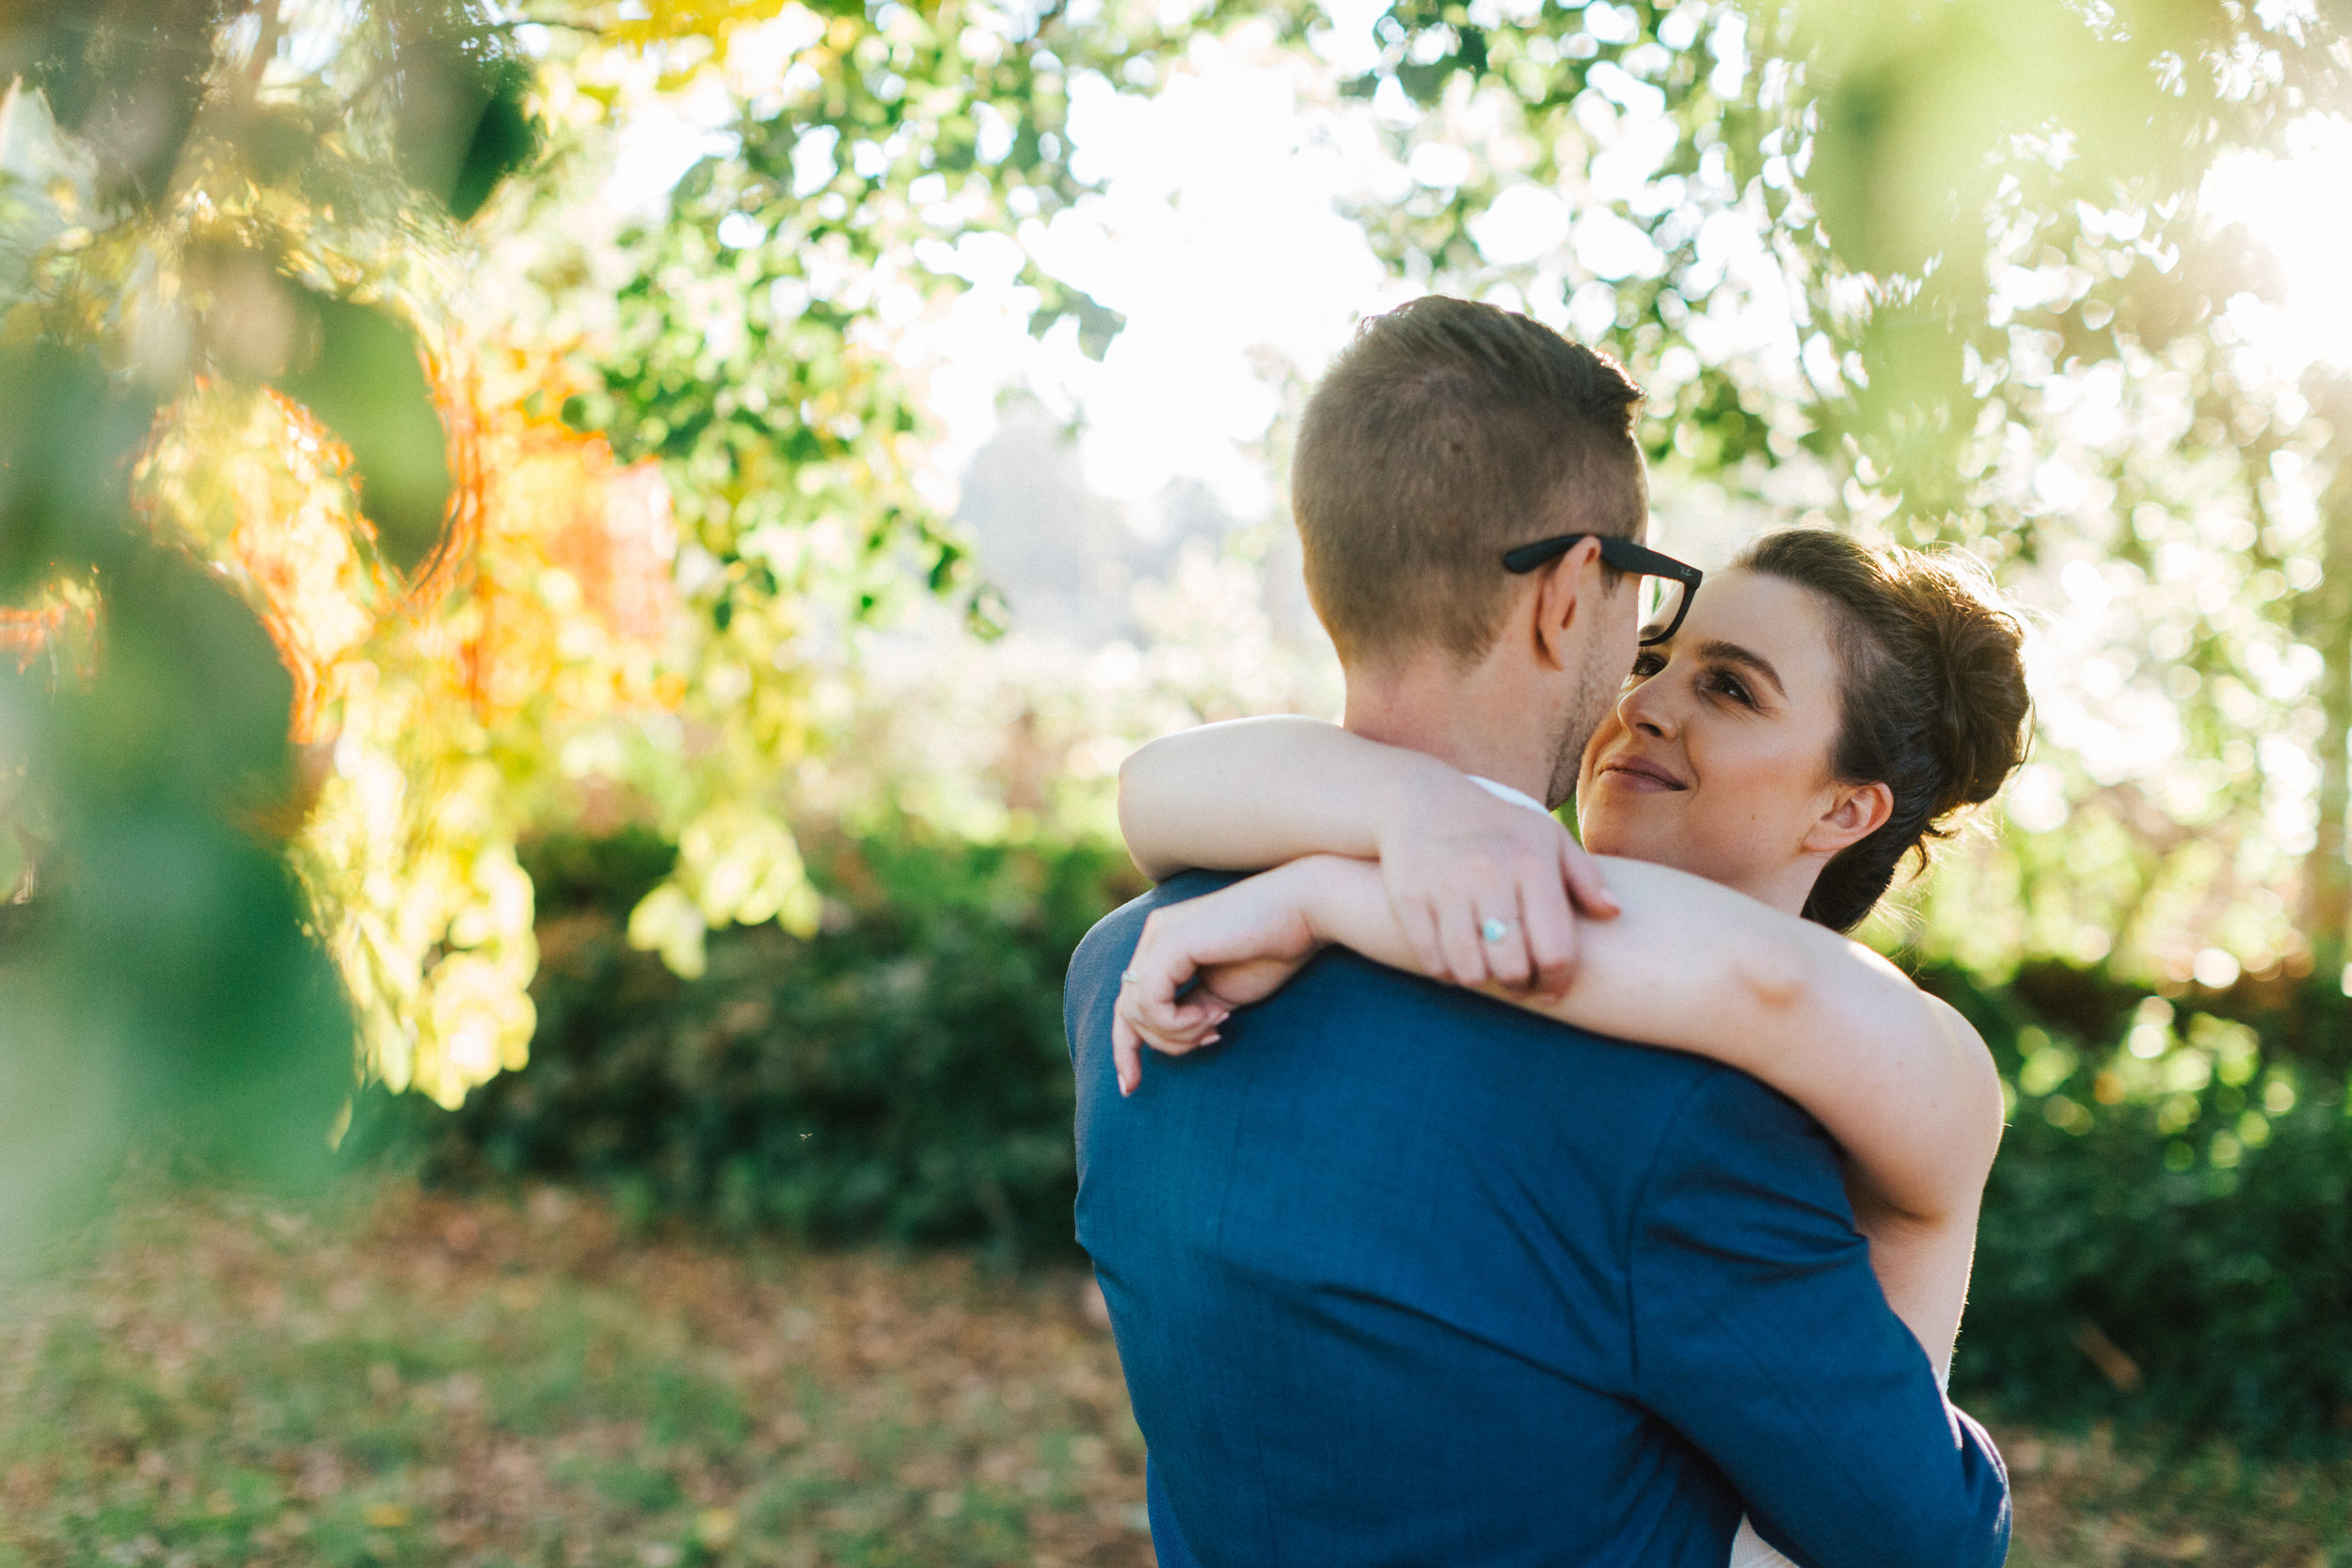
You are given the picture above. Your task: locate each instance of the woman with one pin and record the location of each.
(1820, 714)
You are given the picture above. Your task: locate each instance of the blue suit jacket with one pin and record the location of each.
(1403, 1276)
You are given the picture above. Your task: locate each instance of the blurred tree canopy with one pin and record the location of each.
(2017, 328)
(369, 496)
(200, 243)
(320, 594)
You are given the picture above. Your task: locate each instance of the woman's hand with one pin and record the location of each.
(1251, 793)
(1242, 943)
(1456, 857)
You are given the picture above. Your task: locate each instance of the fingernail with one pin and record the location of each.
(1213, 1040)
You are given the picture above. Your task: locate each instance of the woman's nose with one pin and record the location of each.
(1647, 709)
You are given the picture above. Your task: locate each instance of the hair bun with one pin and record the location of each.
(1982, 710)
(1931, 691)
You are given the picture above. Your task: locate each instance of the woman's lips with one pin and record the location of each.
(1641, 778)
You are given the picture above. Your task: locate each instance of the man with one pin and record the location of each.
(1413, 1277)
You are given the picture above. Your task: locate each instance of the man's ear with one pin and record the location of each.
(1564, 591)
(1855, 813)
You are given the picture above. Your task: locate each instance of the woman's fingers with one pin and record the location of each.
(1465, 954)
(1419, 920)
(1167, 1023)
(1551, 930)
(1173, 1032)
(1506, 953)
(1148, 1012)
(1586, 885)
(1127, 1054)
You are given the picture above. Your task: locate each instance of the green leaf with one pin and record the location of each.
(68, 434)
(504, 138)
(1098, 324)
(125, 78)
(462, 125)
(365, 379)
(190, 706)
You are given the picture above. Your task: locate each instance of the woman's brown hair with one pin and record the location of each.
(1931, 691)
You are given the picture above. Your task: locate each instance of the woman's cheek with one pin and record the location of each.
(1598, 830)
(1615, 829)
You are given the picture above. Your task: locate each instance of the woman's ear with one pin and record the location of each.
(1856, 812)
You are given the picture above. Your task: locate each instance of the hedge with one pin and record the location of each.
(2163, 1243)
(901, 1076)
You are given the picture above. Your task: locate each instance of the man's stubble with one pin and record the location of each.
(1595, 693)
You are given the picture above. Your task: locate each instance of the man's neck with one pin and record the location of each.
(1464, 718)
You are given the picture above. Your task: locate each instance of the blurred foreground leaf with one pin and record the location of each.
(359, 371)
(125, 76)
(67, 435)
(463, 124)
(165, 996)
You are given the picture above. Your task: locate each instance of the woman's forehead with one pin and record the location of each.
(1766, 615)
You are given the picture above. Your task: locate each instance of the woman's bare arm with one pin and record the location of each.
(1921, 1264)
(1251, 793)
(1254, 793)
(1899, 1081)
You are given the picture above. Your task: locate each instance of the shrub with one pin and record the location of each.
(2163, 1240)
(900, 1075)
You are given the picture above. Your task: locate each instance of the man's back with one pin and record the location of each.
(1404, 1275)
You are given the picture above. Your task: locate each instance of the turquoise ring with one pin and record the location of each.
(1494, 931)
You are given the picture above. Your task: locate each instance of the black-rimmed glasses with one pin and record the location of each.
(1668, 586)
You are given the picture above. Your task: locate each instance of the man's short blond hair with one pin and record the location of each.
(1446, 434)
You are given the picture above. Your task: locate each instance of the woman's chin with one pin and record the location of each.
(1608, 833)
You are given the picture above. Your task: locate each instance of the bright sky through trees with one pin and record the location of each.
(1221, 232)
(2300, 208)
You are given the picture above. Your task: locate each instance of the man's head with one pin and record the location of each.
(1447, 434)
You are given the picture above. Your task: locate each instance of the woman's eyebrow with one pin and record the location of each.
(1738, 655)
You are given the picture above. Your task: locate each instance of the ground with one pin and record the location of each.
(405, 1378)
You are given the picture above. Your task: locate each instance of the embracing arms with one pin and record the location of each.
(1258, 793)
(1251, 793)
(1900, 1079)
(1901, 1083)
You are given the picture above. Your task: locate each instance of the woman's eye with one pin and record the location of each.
(1644, 666)
(1729, 686)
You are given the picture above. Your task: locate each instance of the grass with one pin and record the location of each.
(423, 1381)
(412, 1379)
(2084, 1503)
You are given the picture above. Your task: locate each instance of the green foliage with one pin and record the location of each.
(2162, 1240)
(1562, 80)
(68, 431)
(126, 76)
(189, 213)
(168, 994)
(1940, 145)
(753, 354)
(362, 377)
(900, 1074)
(463, 123)
(2011, 323)
(2161, 1243)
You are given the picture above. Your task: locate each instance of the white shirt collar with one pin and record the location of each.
(1504, 792)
